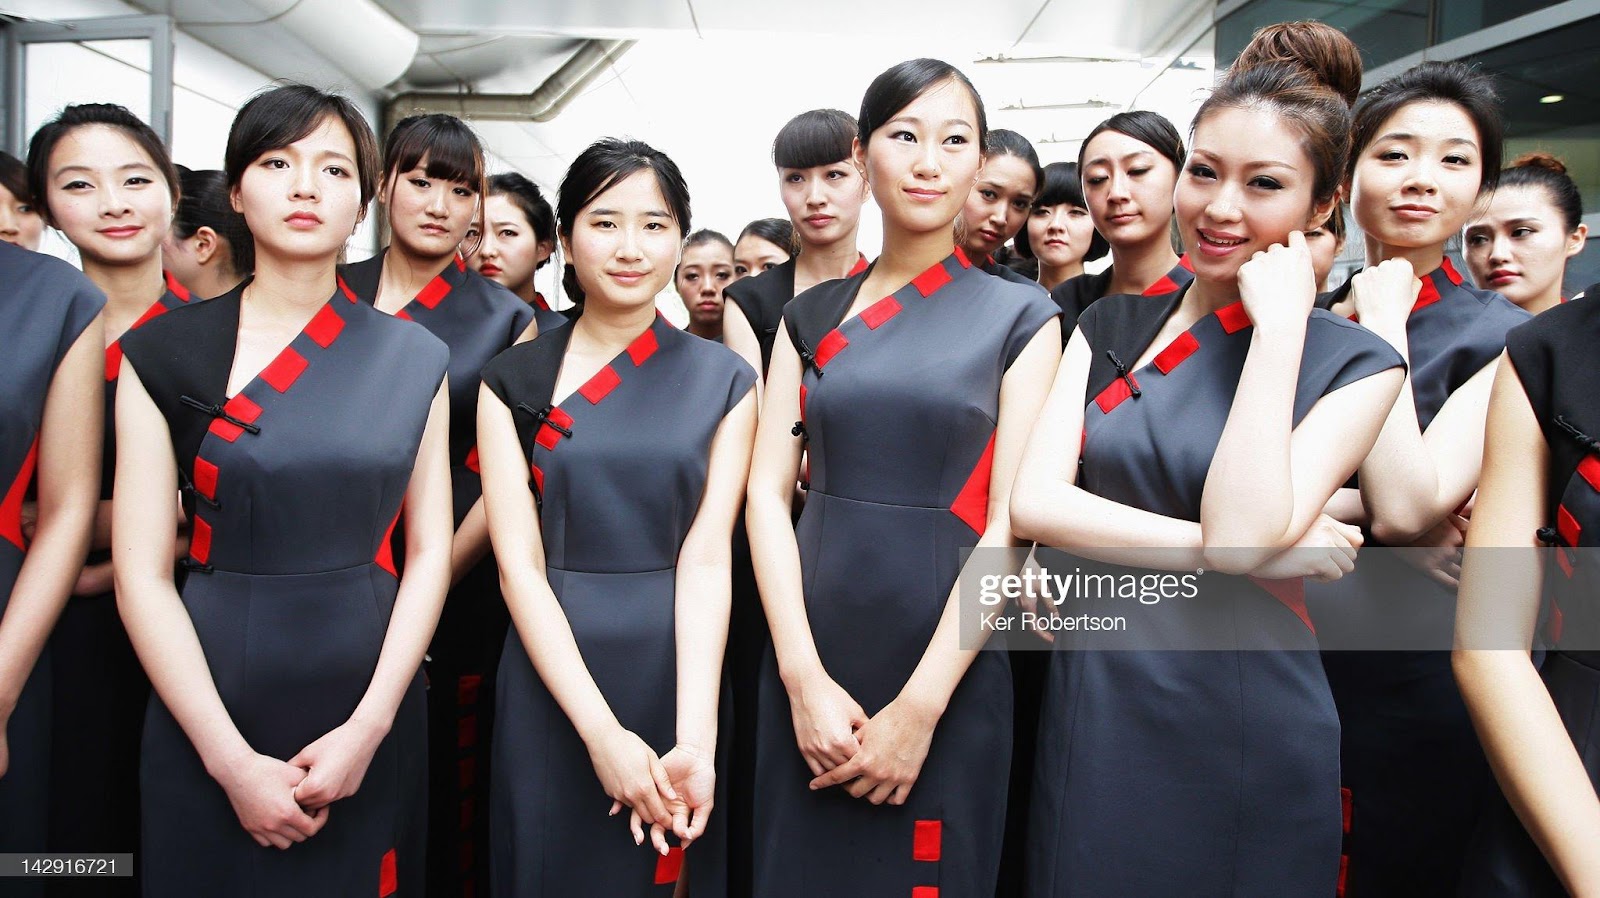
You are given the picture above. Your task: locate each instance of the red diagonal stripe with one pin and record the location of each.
(802, 403)
(11, 505)
(177, 289)
(1114, 393)
(931, 280)
(879, 312)
(538, 479)
(1233, 317)
(600, 386)
(860, 266)
(926, 840)
(384, 557)
(1176, 352)
(435, 291)
(1568, 526)
(668, 866)
(284, 370)
(972, 503)
(961, 257)
(472, 461)
(1450, 272)
(388, 875)
(345, 289)
(205, 478)
(1589, 470)
(113, 361)
(1427, 296)
(829, 347)
(200, 540)
(643, 347)
(325, 327)
(1292, 593)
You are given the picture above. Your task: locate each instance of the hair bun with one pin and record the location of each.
(1322, 52)
(1545, 161)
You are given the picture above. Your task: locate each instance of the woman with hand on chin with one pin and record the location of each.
(823, 192)
(287, 665)
(1214, 422)
(514, 239)
(432, 190)
(110, 187)
(884, 745)
(614, 454)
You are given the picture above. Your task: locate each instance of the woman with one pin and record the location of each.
(288, 695)
(110, 188)
(1520, 243)
(705, 270)
(50, 419)
(1541, 485)
(1060, 233)
(615, 556)
(20, 222)
(763, 245)
(934, 372)
(1326, 243)
(997, 208)
(823, 192)
(1424, 144)
(513, 239)
(1235, 743)
(1129, 164)
(209, 249)
(433, 173)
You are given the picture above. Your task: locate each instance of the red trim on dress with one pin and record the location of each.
(240, 407)
(11, 506)
(926, 840)
(472, 461)
(1234, 318)
(200, 541)
(175, 287)
(1175, 353)
(1568, 526)
(668, 866)
(325, 327)
(284, 370)
(205, 478)
(548, 436)
(860, 266)
(928, 282)
(600, 386)
(972, 503)
(1292, 593)
(1114, 393)
(876, 314)
(643, 347)
(538, 479)
(924, 892)
(1589, 470)
(830, 346)
(1170, 284)
(385, 555)
(388, 875)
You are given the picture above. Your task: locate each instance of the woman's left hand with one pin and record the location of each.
(1278, 285)
(335, 764)
(894, 744)
(693, 773)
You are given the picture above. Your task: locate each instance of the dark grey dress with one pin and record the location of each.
(1075, 295)
(1179, 772)
(294, 486)
(46, 306)
(618, 469)
(900, 404)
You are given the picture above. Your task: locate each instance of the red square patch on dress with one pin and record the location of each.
(926, 840)
(600, 386)
(205, 478)
(830, 347)
(643, 347)
(388, 876)
(876, 314)
(931, 280)
(668, 866)
(200, 540)
(1176, 352)
(1233, 317)
(325, 327)
(284, 370)
(435, 291)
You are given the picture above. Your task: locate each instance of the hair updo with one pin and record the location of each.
(1548, 173)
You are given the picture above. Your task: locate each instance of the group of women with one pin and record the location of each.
(465, 596)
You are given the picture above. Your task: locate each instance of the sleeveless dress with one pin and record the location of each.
(477, 319)
(1554, 358)
(1075, 295)
(900, 404)
(100, 692)
(618, 470)
(293, 495)
(47, 305)
(1177, 771)
(1411, 762)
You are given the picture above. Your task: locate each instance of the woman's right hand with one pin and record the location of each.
(261, 789)
(825, 722)
(633, 777)
(1326, 552)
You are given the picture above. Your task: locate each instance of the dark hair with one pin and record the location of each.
(1005, 142)
(205, 204)
(603, 164)
(902, 84)
(14, 177)
(1435, 82)
(450, 146)
(1299, 95)
(706, 235)
(277, 117)
(1319, 47)
(810, 139)
(526, 196)
(1062, 185)
(1149, 128)
(777, 231)
(1549, 173)
(82, 115)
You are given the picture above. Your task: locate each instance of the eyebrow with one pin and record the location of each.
(131, 166)
(653, 213)
(913, 120)
(1404, 136)
(1257, 164)
(1102, 160)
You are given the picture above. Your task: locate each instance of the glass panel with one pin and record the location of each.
(59, 74)
(1385, 30)
(1462, 17)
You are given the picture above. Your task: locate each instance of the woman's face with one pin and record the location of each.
(923, 162)
(1324, 248)
(508, 250)
(1060, 234)
(429, 217)
(1128, 186)
(705, 269)
(107, 196)
(824, 201)
(303, 201)
(1519, 246)
(753, 255)
(624, 243)
(20, 223)
(1416, 183)
(1247, 184)
(999, 203)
